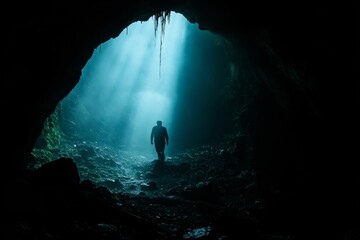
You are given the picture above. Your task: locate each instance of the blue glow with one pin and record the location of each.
(123, 87)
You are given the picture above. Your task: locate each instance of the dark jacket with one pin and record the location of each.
(159, 135)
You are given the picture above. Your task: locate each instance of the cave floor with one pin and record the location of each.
(202, 193)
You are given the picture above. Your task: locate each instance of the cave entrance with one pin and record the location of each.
(181, 75)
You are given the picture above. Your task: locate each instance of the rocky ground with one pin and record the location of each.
(201, 193)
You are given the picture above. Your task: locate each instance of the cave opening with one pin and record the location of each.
(183, 76)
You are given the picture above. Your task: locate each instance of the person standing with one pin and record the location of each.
(159, 136)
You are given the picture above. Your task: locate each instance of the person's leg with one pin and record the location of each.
(158, 151)
(162, 148)
(162, 156)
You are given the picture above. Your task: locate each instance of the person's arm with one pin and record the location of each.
(166, 137)
(152, 136)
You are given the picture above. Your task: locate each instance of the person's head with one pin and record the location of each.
(159, 123)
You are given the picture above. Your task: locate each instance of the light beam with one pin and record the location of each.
(120, 84)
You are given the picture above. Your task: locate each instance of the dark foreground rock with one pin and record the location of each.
(194, 195)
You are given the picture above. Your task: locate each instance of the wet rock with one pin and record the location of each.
(112, 184)
(172, 192)
(132, 188)
(151, 175)
(197, 233)
(152, 185)
(86, 151)
(105, 227)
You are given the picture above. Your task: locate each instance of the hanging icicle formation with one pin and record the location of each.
(162, 17)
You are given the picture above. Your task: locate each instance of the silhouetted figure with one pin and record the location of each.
(159, 135)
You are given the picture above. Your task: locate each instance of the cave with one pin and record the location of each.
(287, 168)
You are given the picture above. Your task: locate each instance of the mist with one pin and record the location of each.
(137, 78)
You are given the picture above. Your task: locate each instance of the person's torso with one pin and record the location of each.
(159, 133)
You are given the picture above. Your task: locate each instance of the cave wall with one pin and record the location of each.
(303, 60)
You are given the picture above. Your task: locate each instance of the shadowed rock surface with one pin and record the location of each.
(303, 125)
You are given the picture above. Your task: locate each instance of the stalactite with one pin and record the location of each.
(162, 17)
